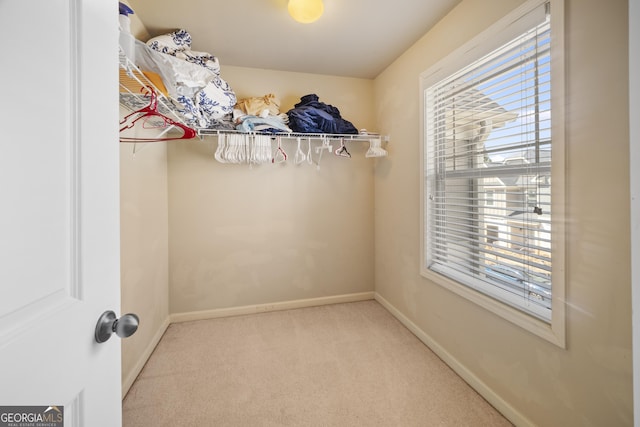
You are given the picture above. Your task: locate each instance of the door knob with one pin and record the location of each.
(124, 327)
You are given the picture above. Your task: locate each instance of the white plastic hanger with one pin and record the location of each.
(309, 157)
(221, 147)
(325, 146)
(375, 148)
(299, 157)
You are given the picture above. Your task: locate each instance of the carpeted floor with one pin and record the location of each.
(337, 365)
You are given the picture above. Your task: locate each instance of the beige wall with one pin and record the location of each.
(144, 241)
(138, 29)
(589, 383)
(246, 236)
(144, 250)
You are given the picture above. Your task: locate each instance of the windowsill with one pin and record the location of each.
(553, 333)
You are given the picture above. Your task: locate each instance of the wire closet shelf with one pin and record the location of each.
(134, 83)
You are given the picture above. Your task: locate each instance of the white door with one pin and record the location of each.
(59, 212)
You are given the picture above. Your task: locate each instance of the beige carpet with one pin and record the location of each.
(337, 365)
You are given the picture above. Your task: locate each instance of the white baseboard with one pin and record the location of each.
(131, 377)
(264, 308)
(470, 378)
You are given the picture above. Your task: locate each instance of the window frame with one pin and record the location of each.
(503, 31)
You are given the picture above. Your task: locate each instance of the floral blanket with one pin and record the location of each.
(193, 78)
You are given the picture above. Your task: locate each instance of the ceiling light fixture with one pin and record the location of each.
(306, 11)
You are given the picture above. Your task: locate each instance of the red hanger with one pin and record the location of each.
(147, 114)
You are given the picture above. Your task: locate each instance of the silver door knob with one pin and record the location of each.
(124, 327)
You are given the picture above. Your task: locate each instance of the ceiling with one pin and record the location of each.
(354, 38)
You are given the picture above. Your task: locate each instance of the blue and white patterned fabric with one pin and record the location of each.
(172, 42)
(216, 99)
(206, 97)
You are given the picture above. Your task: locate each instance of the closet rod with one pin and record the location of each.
(294, 135)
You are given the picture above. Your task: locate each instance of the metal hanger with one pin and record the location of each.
(151, 118)
(342, 150)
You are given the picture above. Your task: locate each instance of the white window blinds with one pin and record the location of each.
(488, 172)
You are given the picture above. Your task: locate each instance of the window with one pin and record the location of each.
(492, 224)
(493, 233)
(489, 197)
